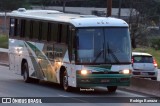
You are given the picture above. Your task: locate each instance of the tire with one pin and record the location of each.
(154, 78)
(36, 81)
(26, 73)
(65, 85)
(112, 89)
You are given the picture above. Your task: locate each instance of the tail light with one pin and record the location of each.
(132, 60)
(155, 63)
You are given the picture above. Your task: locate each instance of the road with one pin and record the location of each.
(12, 85)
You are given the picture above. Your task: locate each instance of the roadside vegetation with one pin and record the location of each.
(3, 41)
(152, 51)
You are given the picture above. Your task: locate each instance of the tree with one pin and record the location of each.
(142, 13)
(8, 5)
(45, 3)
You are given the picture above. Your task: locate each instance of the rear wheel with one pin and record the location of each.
(66, 87)
(26, 72)
(154, 78)
(112, 88)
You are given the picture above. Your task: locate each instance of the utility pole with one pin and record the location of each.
(64, 5)
(119, 12)
(109, 8)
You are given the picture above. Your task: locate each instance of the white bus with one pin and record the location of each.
(70, 49)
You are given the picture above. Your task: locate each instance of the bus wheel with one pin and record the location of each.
(66, 87)
(26, 73)
(154, 78)
(112, 88)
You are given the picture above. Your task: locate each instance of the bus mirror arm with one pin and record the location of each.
(72, 62)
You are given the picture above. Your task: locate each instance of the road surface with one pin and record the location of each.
(12, 85)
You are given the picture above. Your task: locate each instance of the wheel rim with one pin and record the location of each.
(65, 82)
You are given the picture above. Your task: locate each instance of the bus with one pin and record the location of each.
(72, 50)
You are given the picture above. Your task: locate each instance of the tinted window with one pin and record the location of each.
(54, 32)
(64, 34)
(143, 59)
(35, 29)
(27, 29)
(44, 30)
(22, 28)
(12, 27)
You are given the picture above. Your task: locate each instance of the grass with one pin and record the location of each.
(3, 41)
(155, 53)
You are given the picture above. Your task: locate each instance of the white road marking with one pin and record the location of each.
(74, 98)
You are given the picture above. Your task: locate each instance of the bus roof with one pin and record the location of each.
(76, 19)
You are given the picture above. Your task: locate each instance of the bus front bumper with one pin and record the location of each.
(103, 80)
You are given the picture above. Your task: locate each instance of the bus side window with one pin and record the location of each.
(40, 31)
(54, 32)
(64, 34)
(49, 32)
(18, 28)
(59, 33)
(15, 27)
(12, 27)
(44, 30)
(22, 34)
(35, 29)
(31, 30)
(27, 29)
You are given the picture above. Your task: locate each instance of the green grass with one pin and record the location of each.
(3, 41)
(155, 53)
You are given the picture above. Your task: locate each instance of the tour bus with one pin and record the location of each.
(70, 49)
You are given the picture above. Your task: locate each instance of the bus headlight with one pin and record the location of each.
(126, 71)
(85, 72)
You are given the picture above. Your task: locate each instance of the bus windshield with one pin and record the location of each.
(103, 45)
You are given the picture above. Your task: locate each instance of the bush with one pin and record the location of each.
(3, 41)
(155, 43)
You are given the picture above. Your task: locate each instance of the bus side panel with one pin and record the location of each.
(11, 61)
(15, 49)
(17, 52)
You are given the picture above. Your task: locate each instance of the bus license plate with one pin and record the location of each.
(105, 80)
(144, 73)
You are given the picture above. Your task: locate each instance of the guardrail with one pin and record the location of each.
(4, 60)
(146, 86)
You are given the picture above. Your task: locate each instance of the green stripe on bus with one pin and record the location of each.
(44, 64)
(104, 76)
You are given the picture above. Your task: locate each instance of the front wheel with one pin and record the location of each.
(26, 73)
(66, 87)
(112, 88)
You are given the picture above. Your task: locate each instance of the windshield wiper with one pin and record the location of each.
(112, 54)
(99, 54)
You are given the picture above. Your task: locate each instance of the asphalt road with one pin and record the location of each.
(12, 85)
